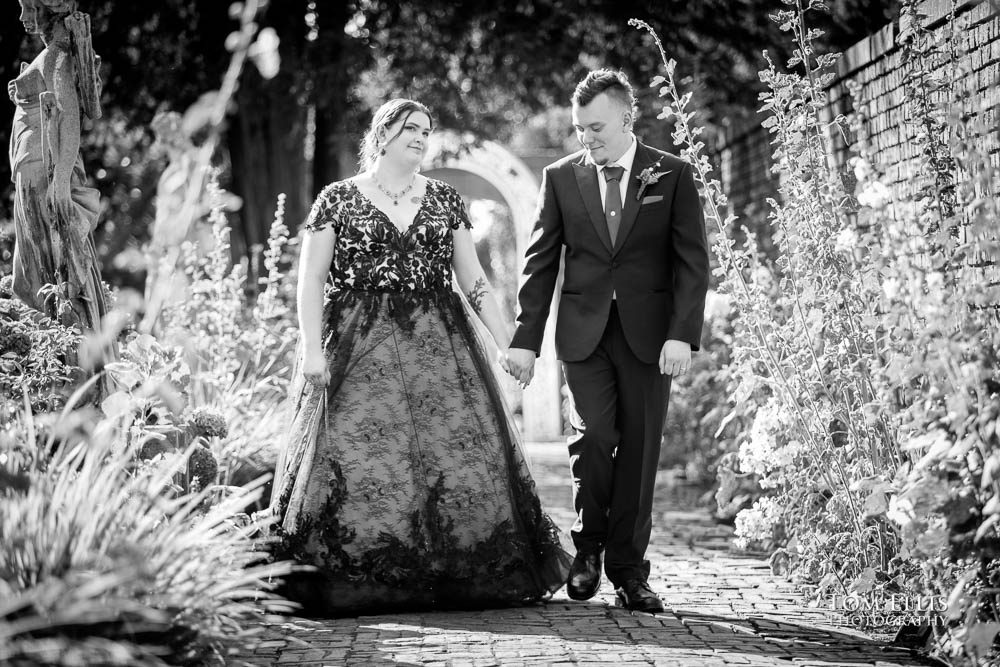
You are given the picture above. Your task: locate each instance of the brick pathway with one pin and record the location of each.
(724, 608)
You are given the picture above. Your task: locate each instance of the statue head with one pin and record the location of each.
(37, 14)
(169, 132)
(58, 6)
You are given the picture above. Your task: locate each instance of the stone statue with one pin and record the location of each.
(55, 213)
(183, 201)
(164, 283)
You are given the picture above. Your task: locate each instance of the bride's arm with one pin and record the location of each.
(472, 281)
(314, 266)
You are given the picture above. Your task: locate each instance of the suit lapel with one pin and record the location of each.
(586, 180)
(630, 207)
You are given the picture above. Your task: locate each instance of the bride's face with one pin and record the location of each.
(407, 138)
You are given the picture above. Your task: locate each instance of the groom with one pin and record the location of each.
(630, 313)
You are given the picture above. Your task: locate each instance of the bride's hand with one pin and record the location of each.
(315, 369)
(502, 360)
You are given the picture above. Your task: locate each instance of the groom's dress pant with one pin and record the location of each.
(622, 403)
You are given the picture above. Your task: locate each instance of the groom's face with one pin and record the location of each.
(604, 127)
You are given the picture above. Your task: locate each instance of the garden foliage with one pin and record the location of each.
(866, 350)
(106, 560)
(125, 529)
(36, 356)
(125, 535)
(238, 343)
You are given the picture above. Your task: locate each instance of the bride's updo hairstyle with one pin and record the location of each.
(383, 119)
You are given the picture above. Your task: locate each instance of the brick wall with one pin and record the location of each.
(874, 63)
(745, 169)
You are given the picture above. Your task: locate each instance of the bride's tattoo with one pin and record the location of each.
(476, 294)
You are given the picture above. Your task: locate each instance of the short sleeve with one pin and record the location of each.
(458, 215)
(323, 213)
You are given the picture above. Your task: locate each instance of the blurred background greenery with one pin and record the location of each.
(500, 71)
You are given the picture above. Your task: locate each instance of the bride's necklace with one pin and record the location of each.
(394, 196)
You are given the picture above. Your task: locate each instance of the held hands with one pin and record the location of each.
(502, 360)
(314, 368)
(520, 364)
(675, 358)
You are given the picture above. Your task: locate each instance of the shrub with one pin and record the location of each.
(37, 357)
(867, 352)
(700, 428)
(239, 349)
(104, 561)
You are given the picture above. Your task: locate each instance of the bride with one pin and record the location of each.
(403, 481)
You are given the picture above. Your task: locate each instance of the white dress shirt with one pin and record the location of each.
(625, 161)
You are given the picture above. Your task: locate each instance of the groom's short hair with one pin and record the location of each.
(609, 81)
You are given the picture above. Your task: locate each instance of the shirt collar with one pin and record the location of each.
(625, 161)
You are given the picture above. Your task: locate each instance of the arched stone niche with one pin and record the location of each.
(489, 171)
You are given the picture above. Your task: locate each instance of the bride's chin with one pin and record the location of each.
(411, 160)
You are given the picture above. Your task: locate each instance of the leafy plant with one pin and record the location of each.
(798, 356)
(867, 351)
(36, 357)
(104, 561)
(700, 427)
(238, 348)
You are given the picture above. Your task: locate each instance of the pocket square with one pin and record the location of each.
(651, 199)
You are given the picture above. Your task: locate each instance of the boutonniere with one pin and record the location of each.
(648, 176)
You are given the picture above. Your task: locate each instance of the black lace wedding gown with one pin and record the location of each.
(403, 482)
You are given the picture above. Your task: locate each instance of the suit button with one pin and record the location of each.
(614, 265)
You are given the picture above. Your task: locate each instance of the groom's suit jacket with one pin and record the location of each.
(657, 269)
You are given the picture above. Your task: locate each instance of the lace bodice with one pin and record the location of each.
(371, 253)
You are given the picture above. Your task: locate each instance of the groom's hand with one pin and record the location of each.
(521, 365)
(675, 358)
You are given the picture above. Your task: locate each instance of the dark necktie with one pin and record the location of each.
(613, 200)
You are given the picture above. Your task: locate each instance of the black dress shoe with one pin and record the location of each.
(584, 576)
(636, 595)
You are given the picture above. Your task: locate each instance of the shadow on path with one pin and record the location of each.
(577, 633)
(724, 608)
